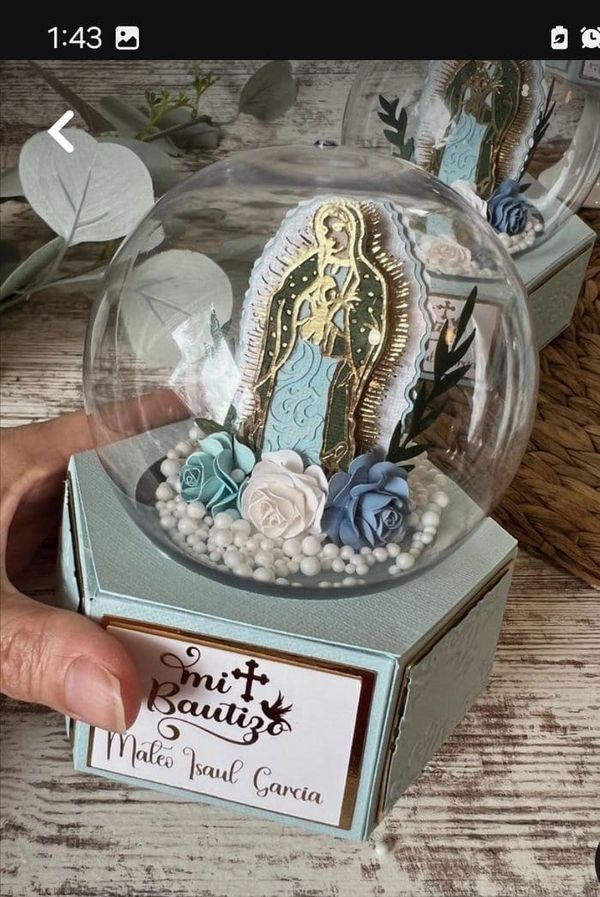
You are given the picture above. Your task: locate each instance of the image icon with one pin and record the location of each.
(559, 38)
(127, 37)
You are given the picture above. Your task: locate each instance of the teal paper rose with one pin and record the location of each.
(217, 473)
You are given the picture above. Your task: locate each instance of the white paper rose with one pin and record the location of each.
(468, 191)
(283, 500)
(442, 253)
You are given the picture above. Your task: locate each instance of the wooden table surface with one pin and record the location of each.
(509, 807)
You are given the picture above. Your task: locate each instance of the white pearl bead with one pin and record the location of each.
(243, 527)
(370, 559)
(380, 553)
(164, 492)
(329, 550)
(324, 584)
(187, 526)
(177, 486)
(237, 475)
(223, 520)
(196, 510)
(393, 550)
(183, 449)
(266, 544)
(223, 538)
(240, 540)
(430, 518)
(282, 567)
(310, 566)
(362, 569)
(405, 561)
(170, 467)
(264, 574)
(282, 581)
(365, 550)
(393, 570)
(348, 581)
(382, 848)
(264, 559)
(427, 538)
(233, 558)
(346, 552)
(350, 568)
(337, 565)
(208, 520)
(293, 566)
(243, 570)
(194, 433)
(292, 547)
(252, 544)
(172, 455)
(311, 546)
(168, 522)
(215, 555)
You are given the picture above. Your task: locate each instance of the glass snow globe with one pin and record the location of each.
(518, 139)
(285, 391)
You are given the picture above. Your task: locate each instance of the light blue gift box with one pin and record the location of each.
(425, 648)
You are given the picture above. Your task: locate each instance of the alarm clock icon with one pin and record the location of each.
(590, 38)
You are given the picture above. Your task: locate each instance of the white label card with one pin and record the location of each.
(262, 729)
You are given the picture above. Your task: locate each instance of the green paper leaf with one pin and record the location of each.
(25, 273)
(95, 121)
(98, 192)
(10, 184)
(270, 92)
(465, 315)
(155, 159)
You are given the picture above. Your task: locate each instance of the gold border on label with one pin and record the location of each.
(367, 679)
(450, 624)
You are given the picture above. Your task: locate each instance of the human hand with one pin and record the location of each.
(47, 655)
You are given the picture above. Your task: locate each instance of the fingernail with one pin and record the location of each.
(93, 695)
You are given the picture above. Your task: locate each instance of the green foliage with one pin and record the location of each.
(210, 426)
(396, 131)
(160, 102)
(449, 351)
(541, 127)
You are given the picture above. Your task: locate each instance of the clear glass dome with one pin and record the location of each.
(519, 139)
(286, 392)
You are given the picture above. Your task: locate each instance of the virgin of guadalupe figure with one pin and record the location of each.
(325, 327)
(493, 105)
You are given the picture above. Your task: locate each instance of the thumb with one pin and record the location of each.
(62, 659)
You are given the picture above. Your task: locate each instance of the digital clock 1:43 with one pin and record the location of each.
(89, 37)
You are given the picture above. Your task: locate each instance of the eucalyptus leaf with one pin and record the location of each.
(127, 120)
(25, 273)
(156, 161)
(10, 184)
(270, 92)
(87, 279)
(95, 121)
(199, 134)
(98, 192)
(166, 304)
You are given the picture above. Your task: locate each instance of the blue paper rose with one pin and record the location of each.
(368, 505)
(217, 473)
(507, 208)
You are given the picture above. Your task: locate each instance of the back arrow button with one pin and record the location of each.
(57, 127)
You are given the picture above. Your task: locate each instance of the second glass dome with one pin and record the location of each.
(518, 139)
